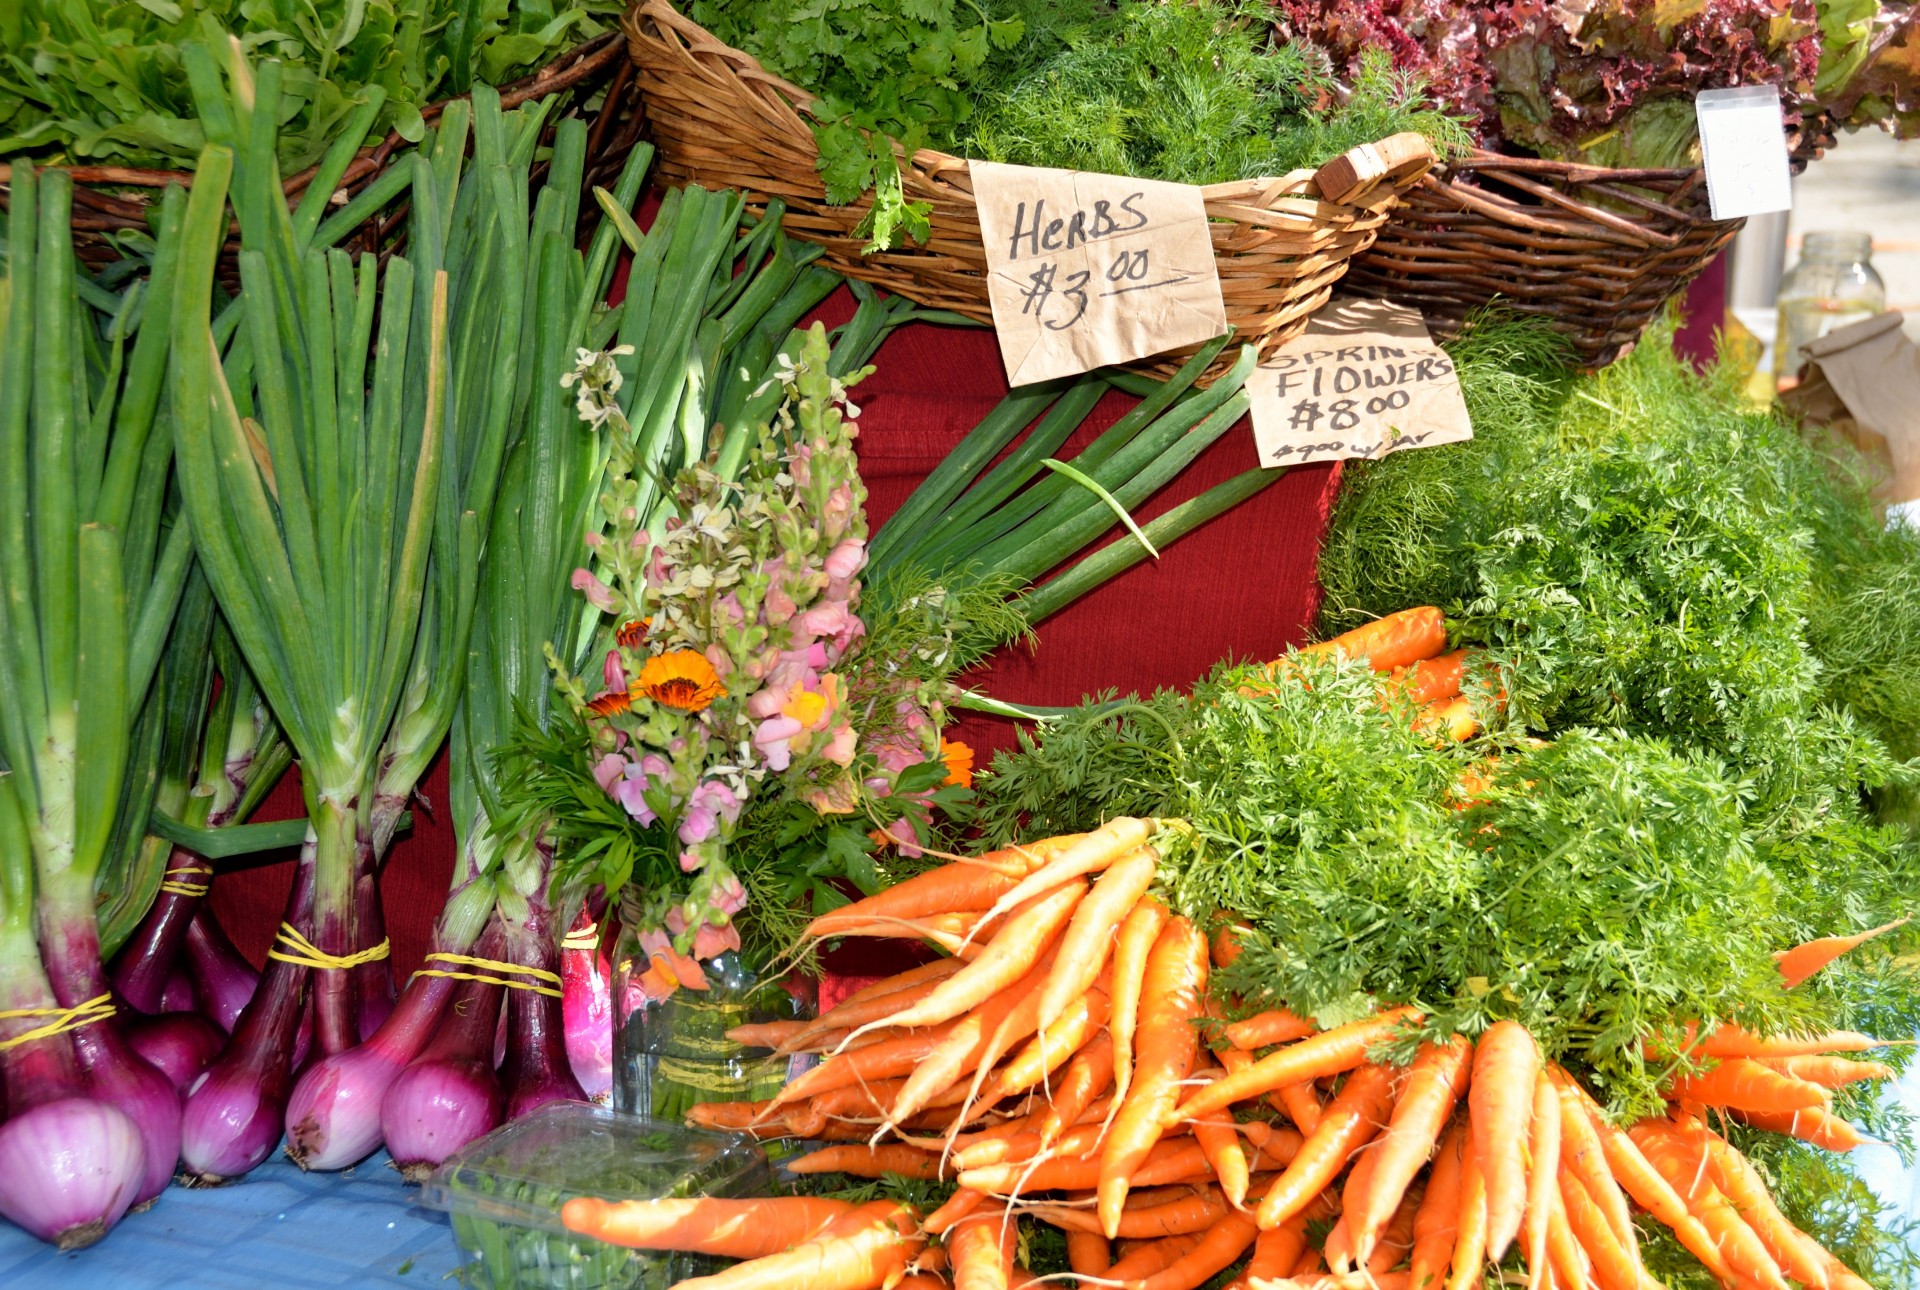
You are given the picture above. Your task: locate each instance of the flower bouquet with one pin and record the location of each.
(746, 744)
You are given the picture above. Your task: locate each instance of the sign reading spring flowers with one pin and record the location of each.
(729, 676)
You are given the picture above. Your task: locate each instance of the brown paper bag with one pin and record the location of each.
(1862, 382)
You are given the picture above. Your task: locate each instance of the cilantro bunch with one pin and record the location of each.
(884, 73)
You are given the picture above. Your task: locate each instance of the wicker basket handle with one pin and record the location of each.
(1403, 156)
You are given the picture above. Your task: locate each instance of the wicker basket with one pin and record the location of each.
(1596, 252)
(721, 120)
(112, 200)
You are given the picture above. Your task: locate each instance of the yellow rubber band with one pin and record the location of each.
(306, 954)
(184, 882)
(493, 965)
(64, 1019)
(587, 938)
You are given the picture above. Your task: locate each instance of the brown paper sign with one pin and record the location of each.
(1085, 270)
(1364, 379)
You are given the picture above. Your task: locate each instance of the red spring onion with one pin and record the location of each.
(223, 980)
(235, 1109)
(69, 1169)
(449, 1095)
(115, 1073)
(536, 1070)
(587, 1004)
(179, 996)
(178, 1044)
(372, 982)
(145, 964)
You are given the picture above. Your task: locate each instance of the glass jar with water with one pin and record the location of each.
(1833, 284)
(673, 1052)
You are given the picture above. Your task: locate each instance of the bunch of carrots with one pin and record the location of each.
(1064, 1062)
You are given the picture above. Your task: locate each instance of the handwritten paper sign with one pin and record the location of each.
(1364, 379)
(1084, 270)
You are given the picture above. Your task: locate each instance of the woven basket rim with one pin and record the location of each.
(1261, 192)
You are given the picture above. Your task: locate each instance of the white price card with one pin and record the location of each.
(1744, 143)
(1363, 380)
(1085, 270)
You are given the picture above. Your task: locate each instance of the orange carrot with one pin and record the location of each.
(1013, 952)
(922, 1281)
(962, 1203)
(981, 1247)
(1798, 1254)
(1090, 935)
(1543, 1164)
(1276, 1251)
(1652, 1192)
(866, 1161)
(951, 888)
(1097, 850)
(889, 1059)
(870, 1247)
(1742, 1250)
(877, 1007)
(1501, 1103)
(1196, 1211)
(1731, 1041)
(1354, 1116)
(1842, 1277)
(1052, 1048)
(1820, 1127)
(1451, 719)
(1088, 1254)
(1003, 1018)
(1339, 1249)
(1571, 1268)
(735, 1229)
(1130, 948)
(1277, 1026)
(1438, 1219)
(1396, 1242)
(1152, 1256)
(1221, 1142)
(1274, 1145)
(1433, 1087)
(766, 1034)
(1614, 1267)
(1828, 1072)
(1170, 994)
(1430, 680)
(1582, 1156)
(1398, 640)
(1088, 1075)
(1802, 961)
(1216, 1250)
(1301, 1104)
(1012, 1027)
(1226, 944)
(1742, 1084)
(730, 1117)
(1327, 1053)
(1470, 1227)
(1170, 1161)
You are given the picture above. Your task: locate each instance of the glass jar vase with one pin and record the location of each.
(1833, 284)
(671, 1053)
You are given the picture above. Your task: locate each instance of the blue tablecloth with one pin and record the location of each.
(278, 1227)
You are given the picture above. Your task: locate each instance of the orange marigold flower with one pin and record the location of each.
(959, 759)
(680, 678)
(610, 704)
(631, 634)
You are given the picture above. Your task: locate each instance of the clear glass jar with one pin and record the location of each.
(671, 1053)
(1833, 284)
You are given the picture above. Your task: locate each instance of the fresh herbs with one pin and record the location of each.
(1193, 93)
(107, 84)
(1196, 94)
(883, 72)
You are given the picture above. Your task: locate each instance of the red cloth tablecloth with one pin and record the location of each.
(1242, 586)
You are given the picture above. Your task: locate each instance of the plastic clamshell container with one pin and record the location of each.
(504, 1193)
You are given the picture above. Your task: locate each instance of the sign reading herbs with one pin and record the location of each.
(1087, 270)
